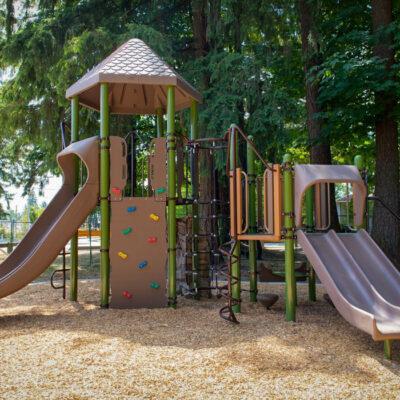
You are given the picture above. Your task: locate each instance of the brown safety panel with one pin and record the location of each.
(232, 204)
(272, 205)
(59, 221)
(158, 168)
(268, 203)
(138, 253)
(118, 167)
(264, 237)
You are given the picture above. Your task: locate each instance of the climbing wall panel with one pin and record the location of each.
(138, 253)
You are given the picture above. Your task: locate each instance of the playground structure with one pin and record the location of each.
(141, 250)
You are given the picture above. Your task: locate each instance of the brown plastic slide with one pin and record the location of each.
(59, 221)
(361, 281)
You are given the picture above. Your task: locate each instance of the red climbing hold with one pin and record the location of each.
(126, 294)
(152, 239)
(116, 191)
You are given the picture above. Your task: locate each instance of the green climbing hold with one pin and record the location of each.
(154, 285)
(126, 231)
(160, 190)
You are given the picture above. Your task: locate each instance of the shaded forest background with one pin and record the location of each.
(318, 78)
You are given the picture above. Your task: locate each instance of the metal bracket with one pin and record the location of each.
(284, 233)
(289, 214)
(105, 143)
(287, 166)
(172, 301)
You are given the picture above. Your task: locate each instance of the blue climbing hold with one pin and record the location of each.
(131, 209)
(142, 264)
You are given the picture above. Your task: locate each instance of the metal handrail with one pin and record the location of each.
(246, 201)
(247, 140)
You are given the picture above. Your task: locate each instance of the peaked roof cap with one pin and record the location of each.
(138, 81)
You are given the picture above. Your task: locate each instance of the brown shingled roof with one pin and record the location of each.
(138, 81)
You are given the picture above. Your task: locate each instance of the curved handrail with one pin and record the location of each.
(251, 144)
(246, 201)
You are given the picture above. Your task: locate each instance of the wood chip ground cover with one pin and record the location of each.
(54, 349)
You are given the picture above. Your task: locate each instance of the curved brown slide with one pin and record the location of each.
(59, 221)
(361, 281)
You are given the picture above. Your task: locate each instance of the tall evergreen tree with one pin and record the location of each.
(386, 230)
(320, 147)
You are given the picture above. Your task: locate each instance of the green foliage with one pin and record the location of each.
(251, 73)
(32, 210)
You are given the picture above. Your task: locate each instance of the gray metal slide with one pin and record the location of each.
(59, 221)
(361, 281)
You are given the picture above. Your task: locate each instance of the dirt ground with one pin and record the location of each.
(54, 349)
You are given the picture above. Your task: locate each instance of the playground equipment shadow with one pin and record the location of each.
(57, 349)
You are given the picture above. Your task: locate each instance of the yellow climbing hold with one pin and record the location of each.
(123, 255)
(154, 217)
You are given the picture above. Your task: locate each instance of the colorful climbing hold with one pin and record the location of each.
(142, 264)
(154, 217)
(126, 231)
(152, 239)
(131, 209)
(123, 255)
(160, 190)
(116, 191)
(126, 294)
(154, 285)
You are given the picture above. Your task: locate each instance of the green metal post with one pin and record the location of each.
(359, 162)
(312, 293)
(171, 147)
(160, 122)
(194, 134)
(288, 209)
(73, 290)
(252, 222)
(235, 270)
(387, 348)
(90, 242)
(10, 246)
(104, 194)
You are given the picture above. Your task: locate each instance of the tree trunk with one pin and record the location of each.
(10, 18)
(201, 49)
(385, 229)
(214, 33)
(320, 149)
(204, 246)
(200, 43)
